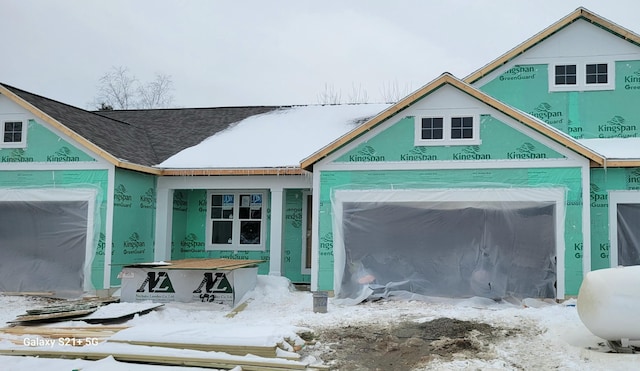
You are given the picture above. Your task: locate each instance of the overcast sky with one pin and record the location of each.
(259, 52)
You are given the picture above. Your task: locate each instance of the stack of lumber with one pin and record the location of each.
(163, 356)
(263, 341)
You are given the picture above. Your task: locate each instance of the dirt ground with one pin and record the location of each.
(405, 345)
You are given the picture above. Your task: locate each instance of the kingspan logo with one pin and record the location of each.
(326, 245)
(148, 199)
(191, 243)
(157, 282)
(526, 151)
(598, 198)
(294, 214)
(574, 130)
(62, 155)
(179, 202)
(519, 73)
(545, 112)
(17, 155)
(366, 154)
(471, 153)
(133, 245)
(617, 127)
(633, 178)
(121, 197)
(632, 81)
(101, 244)
(418, 154)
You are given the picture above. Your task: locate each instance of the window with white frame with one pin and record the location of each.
(14, 132)
(580, 76)
(236, 220)
(447, 129)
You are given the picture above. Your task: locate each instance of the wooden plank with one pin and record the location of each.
(236, 350)
(111, 314)
(238, 309)
(211, 263)
(64, 332)
(53, 316)
(247, 364)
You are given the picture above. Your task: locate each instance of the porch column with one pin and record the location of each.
(164, 216)
(275, 256)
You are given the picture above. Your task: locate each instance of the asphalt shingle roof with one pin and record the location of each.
(142, 137)
(172, 130)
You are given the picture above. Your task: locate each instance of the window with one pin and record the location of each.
(447, 130)
(461, 127)
(13, 133)
(581, 76)
(596, 73)
(566, 74)
(432, 128)
(236, 221)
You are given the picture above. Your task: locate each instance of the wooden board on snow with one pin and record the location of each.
(164, 356)
(118, 312)
(63, 310)
(56, 316)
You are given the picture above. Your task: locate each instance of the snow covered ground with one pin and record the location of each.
(551, 337)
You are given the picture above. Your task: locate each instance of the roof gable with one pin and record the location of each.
(117, 142)
(449, 80)
(579, 14)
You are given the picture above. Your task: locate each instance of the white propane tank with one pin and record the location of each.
(609, 303)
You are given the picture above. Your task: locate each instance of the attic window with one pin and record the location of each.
(13, 133)
(596, 73)
(566, 74)
(582, 76)
(447, 129)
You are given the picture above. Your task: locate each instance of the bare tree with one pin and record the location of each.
(119, 89)
(358, 94)
(157, 93)
(330, 95)
(391, 92)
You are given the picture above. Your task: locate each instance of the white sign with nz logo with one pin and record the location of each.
(161, 285)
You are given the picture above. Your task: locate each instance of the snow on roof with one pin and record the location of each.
(280, 138)
(618, 148)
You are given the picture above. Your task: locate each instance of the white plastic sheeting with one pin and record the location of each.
(628, 234)
(46, 237)
(492, 243)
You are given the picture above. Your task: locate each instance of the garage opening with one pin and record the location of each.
(449, 248)
(43, 244)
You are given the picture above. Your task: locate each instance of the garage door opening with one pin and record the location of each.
(43, 243)
(493, 248)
